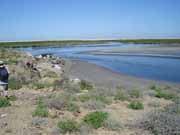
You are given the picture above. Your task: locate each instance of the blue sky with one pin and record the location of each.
(88, 19)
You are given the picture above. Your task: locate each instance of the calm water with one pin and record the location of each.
(155, 68)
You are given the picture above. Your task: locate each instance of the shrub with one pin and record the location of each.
(121, 95)
(12, 98)
(96, 119)
(15, 84)
(4, 102)
(85, 85)
(137, 105)
(68, 125)
(94, 105)
(72, 107)
(41, 110)
(63, 102)
(174, 108)
(39, 85)
(51, 74)
(84, 97)
(113, 124)
(165, 94)
(162, 123)
(102, 99)
(135, 94)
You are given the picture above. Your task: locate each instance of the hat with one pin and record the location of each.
(1, 62)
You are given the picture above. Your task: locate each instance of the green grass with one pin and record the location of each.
(136, 105)
(15, 84)
(4, 102)
(121, 95)
(96, 119)
(62, 43)
(165, 94)
(41, 110)
(68, 126)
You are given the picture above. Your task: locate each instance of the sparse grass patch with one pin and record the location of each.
(51, 74)
(113, 124)
(96, 119)
(41, 110)
(162, 123)
(136, 105)
(121, 95)
(135, 93)
(63, 102)
(40, 85)
(159, 93)
(94, 104)
(4, 102)
(15, 84)
(68, 126)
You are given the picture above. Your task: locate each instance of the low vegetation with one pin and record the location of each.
(68, 126)
(165, 122)
(96, 119)
(4, 102)
(41, 110)
(136, 105)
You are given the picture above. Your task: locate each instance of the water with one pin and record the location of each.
(155, 68)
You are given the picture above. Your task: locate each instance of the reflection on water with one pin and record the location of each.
(156, 68)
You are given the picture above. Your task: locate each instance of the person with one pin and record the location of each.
(4, 76)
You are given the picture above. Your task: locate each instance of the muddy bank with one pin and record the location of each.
(106, 78)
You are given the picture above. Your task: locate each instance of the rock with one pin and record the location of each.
(3, 115)
(39, 122)
(52, 114)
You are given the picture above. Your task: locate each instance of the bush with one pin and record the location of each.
(165, 94)
(85, 85)
(121, 95)
(96, 119)
(68, 125)
(135, 94)
(14, 84)
(137, 105)
(113, 124)
(51, 74)
(63, 102)
(39, 85)
(84, 97)
(4, 102)
(72, 107)
(94, 105)
(41, 110)
(162, 123)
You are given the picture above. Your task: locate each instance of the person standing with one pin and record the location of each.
(4, 76)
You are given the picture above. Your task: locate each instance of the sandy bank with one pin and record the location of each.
(105, 78)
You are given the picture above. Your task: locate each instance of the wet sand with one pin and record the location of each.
(106, 78)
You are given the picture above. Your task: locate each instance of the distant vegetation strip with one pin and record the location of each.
(62, 43)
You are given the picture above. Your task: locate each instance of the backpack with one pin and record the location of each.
(4, 74)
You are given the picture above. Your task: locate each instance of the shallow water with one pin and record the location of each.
(155, 68)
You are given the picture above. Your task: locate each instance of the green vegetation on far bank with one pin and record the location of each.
(61, 43)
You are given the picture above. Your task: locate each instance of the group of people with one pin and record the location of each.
(4, 76)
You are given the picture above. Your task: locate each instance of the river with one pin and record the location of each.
(149, 67)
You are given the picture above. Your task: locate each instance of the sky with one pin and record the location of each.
(88, 19)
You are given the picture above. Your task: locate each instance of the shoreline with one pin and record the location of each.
(105, 78)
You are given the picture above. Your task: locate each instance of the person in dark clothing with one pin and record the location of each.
(4, 76)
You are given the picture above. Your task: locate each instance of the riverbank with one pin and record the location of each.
(103, 77)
